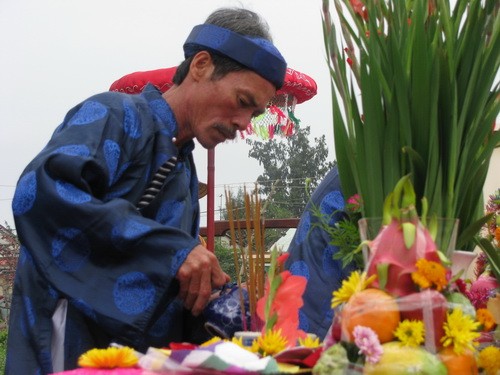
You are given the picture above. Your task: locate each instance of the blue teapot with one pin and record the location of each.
(223, 315)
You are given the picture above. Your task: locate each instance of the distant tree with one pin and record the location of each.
(287, 163)
(238, 203)
(225, 255)
(9, 253)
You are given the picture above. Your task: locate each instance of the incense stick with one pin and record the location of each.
(259, 248)
(251, 272)
(253, 258)
(229, 207)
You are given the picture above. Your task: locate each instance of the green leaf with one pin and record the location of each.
(493, 255)
(409, 234)
(419, 100)
(274, 283)
(382, 273)
(433, 227)
(472, 230)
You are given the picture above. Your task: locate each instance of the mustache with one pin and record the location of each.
(229, 132)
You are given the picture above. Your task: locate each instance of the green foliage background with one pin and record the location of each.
(415, 92)
(287, 163)
(3, 349)
(226, 259)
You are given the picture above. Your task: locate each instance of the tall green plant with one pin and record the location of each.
(414, 92)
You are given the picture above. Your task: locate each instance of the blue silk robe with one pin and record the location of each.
(311, 256)
(84, 242)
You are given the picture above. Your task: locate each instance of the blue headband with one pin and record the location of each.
(257, 54)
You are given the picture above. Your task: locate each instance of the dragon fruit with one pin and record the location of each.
(402, 240)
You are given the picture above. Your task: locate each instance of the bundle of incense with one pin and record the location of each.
(253, 258)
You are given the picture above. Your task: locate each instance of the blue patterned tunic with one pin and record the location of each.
(83, 240)
(311, 256)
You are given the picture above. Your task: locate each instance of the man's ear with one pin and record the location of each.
(201, 66)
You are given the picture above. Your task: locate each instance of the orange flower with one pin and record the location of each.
(429, 274)
(279, 307)
(485, 317)
(285, 305)
(281, 261)
(108, 358)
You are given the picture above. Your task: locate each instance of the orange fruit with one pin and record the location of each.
(459, 364)
(371, 308)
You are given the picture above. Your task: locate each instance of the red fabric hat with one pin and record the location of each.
(300, 85)
(278, 119)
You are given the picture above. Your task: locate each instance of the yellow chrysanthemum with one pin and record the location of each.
(108, 358)
(255, 348)
(429, 274)
(485, 317)
(410, 332)
(238, 341)
(271, 343)
(460, 331)
(213, 340)
(356, 282)
(309, 342)
(489, 360)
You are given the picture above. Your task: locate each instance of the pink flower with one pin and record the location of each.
(354, 203)
(482, 290)
(481, 262)
(484, 284)
(367, 341)
(354, 199)
(461, 285)
(479, 291)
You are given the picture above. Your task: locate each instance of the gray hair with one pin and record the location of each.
(239, 20)
(242, 21)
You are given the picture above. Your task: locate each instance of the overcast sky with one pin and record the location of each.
(56, 53)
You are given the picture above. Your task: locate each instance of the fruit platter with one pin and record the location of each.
(406, 312)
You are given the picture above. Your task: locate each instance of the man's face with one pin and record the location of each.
(226, 105)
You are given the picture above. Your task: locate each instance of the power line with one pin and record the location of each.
(267, 181)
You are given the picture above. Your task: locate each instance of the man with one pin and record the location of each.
(108, 212)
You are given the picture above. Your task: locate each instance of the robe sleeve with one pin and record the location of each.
(111, 263)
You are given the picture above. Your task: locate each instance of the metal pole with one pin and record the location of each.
(210, 200)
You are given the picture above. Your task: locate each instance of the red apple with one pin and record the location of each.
(429, 306)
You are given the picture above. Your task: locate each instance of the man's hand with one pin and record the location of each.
(198, 275)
